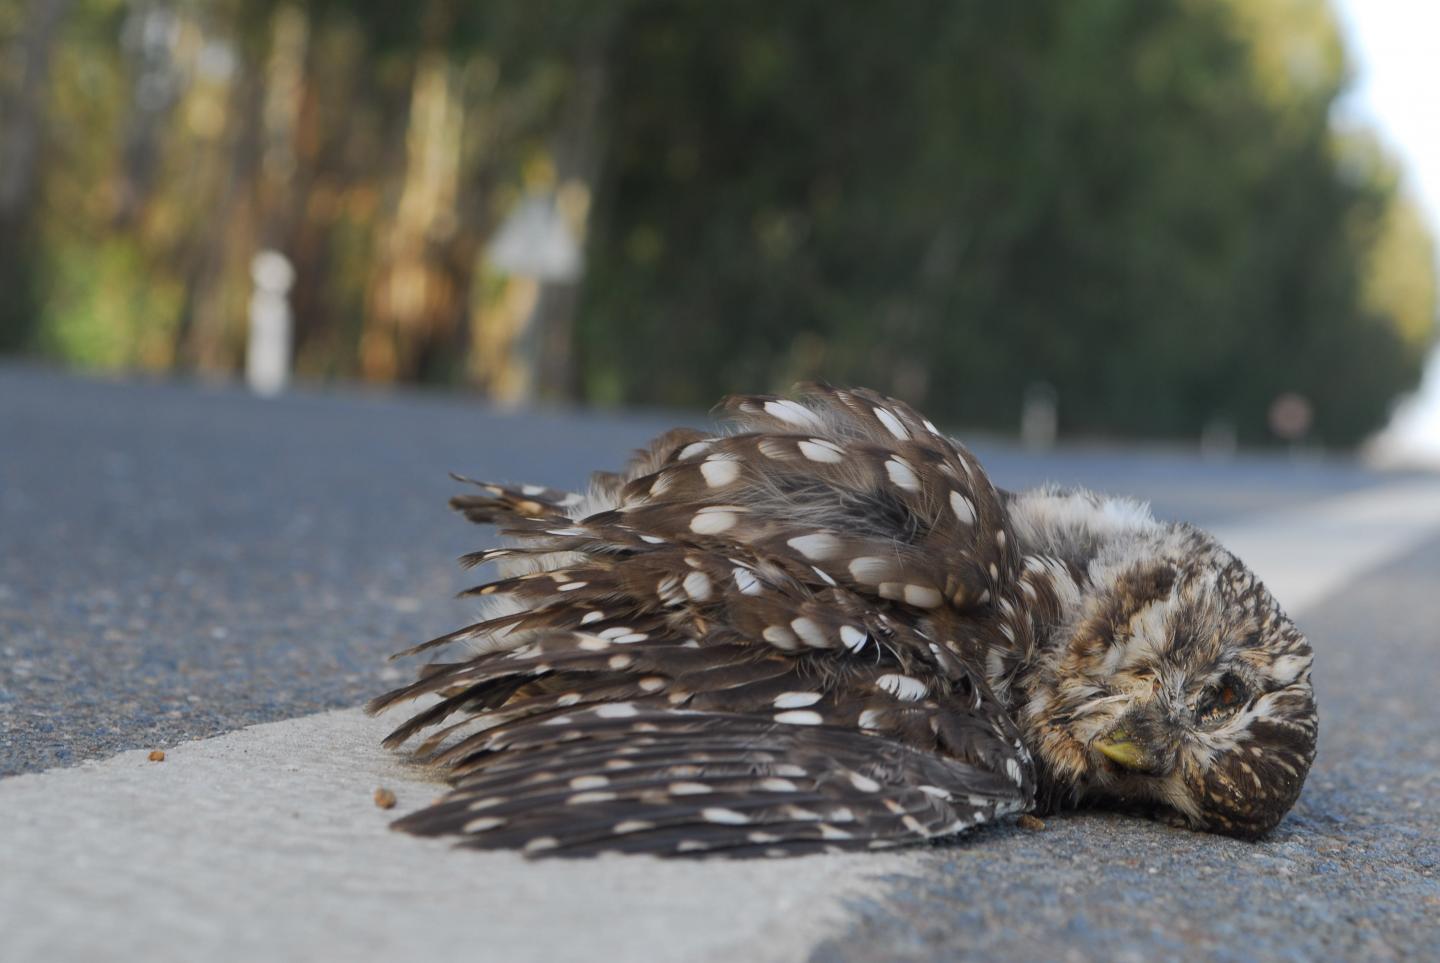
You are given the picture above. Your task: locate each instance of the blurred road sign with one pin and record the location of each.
(1290, 416)
(536, 241)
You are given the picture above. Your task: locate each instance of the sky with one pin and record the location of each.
(1397, 79)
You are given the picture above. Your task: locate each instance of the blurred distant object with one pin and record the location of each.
(1218, 440)
(1143, 203)
(537, 245)
(1040, 417)
(1412, 438)
(535, 241)
(1290, 417)
(267, 355)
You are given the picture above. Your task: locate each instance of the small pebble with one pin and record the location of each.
(157, 755)
(384, 798)
(1033, 823)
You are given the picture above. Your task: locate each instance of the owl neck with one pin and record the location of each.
(1077, 526)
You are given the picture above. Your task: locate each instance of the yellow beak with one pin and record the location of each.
(1117, 746)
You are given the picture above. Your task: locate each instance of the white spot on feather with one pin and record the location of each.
(901, 474)
(922, 596)
(617, 710)
(592, 616)
(589, 782)
(698, 586)
(820, 450)
(631, 826)
(485, 803)
(719, 470)
(747, 582)
(810, 632)
(869, 569)
(792, 413)
(688, 789)
(775, 784)
(903, 687)
(482, 824)
(717, 814)
(800, 717)
(796, 700)
(695, 448)
(892, 424)
(593, 796)
(864, 783)
(852, 638)
(780, 636)
(712, 520)
(817, 547)
(963, 508)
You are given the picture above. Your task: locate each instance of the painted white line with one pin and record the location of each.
(265, 844)
(1307, 554)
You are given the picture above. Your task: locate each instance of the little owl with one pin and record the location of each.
(825, 628)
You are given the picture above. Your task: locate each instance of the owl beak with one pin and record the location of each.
(1119, 747)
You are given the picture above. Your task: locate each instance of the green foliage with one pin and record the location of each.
(104, 309)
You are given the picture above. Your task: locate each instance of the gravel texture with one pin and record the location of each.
(177, 561)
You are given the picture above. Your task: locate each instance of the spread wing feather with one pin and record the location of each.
(770, 641)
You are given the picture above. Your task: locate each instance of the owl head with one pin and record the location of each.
(1180, 684)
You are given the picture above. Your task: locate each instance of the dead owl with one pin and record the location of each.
(825, 628)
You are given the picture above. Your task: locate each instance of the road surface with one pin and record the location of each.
(180, 562)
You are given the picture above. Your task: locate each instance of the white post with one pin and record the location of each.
(1039, 417)
(267, 356)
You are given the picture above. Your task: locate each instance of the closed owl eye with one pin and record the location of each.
(1222, 700)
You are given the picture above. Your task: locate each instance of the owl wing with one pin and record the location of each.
(767, 644)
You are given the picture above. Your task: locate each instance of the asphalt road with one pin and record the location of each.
(181, 561)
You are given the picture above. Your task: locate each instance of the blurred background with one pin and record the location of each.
(1158, 219)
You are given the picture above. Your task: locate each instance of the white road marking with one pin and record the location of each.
(265, 843)
(1307, 554)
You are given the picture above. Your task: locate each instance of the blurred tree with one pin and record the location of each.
(1140, 203)
(28, 32)
(1136, 201)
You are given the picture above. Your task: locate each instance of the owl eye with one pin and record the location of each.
(1222, 700)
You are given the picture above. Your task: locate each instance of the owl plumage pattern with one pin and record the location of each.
(824, 628)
